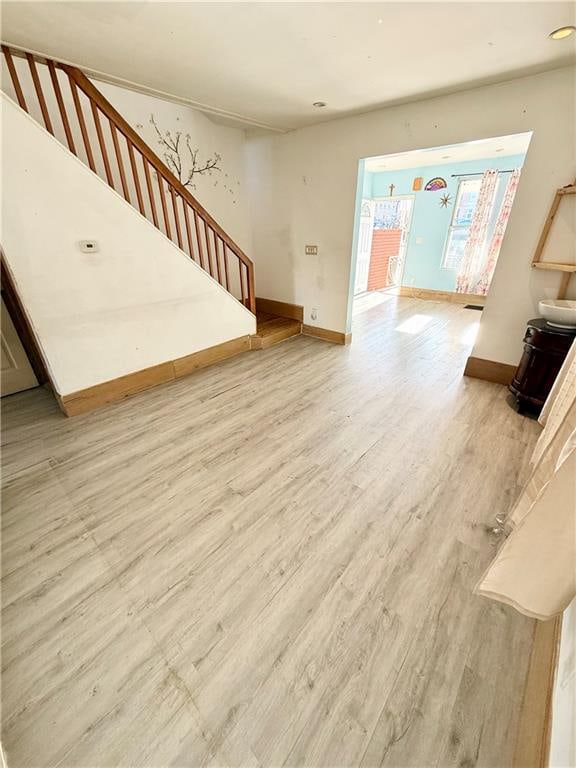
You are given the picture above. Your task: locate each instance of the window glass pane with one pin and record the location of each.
(466, 201)
(387, 214)
(455, 247)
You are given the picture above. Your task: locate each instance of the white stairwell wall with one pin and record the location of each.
(138, 302)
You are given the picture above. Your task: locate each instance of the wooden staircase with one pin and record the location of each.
(73, 110)
(272, 329)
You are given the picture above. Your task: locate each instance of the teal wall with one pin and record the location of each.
(430, 221)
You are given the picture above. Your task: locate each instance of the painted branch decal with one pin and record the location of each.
(174, 152)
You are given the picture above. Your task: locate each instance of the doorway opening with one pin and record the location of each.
(22, 365)
(430, 223)
(383, 238)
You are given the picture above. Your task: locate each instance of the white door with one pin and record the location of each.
(17, 373)
(364, 246)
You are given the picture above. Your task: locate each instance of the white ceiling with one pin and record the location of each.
(499, 146)
(265, 63)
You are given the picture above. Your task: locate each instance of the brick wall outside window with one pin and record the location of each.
(385, 243)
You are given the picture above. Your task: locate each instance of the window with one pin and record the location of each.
(387, 214)
(466, 200)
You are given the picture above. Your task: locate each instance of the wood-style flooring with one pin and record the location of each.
(268, 563)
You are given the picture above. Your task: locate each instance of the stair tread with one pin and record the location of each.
(262, 317)
(272, 329)
(276, 325)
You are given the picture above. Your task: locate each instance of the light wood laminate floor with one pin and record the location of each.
(268, 563)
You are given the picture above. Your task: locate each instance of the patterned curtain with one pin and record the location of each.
(473, 261)
(499, 230)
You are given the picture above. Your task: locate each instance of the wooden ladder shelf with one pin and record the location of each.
(567, 269)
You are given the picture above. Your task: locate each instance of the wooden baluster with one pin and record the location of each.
(242, 292)
(150, 191)
(165, 176)
(251, 288)
(217, 258)
(176, 219)
(225, 257)
(164, 207)
(188, 232)
(83, 131)
(39, 93)
(14, 77)
(107, 169)
(215, 240)
(198, 239)
(135, 177)
(208, 249)
(61, 107)
(119, 160)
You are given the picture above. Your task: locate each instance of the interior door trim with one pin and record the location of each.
(21, 323)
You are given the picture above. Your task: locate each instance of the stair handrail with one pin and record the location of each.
(131, 136)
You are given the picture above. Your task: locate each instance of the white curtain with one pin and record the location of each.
(535, 570)
(474, 259)
(487, 271)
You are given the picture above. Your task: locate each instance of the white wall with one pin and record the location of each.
(563, 734)
(303, 190)
(138, 302)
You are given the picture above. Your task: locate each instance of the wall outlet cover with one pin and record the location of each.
(311, 250)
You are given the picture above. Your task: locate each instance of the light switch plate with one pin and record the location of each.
(311, 250)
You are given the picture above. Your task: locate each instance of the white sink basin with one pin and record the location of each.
(561, 313)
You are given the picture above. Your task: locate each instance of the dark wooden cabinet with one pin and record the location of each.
(545, 348)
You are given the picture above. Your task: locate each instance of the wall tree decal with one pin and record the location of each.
(174, 153)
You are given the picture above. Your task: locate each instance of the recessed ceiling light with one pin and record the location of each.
(319, 104)
(562, 32)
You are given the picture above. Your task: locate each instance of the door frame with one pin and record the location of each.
(21, 323)
(370, 201)
(407, 230)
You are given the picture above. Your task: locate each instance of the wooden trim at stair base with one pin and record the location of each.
(452, 296)
(336, 337)
(86, 400)
(534, 727)
(489, 370)
(280, 308)
(183, 366)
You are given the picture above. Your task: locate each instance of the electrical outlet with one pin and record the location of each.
(314, 314)
(311, 250)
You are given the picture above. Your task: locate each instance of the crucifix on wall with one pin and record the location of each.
(392, 187)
